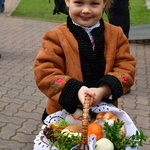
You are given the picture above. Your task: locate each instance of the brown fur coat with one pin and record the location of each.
(58, 61)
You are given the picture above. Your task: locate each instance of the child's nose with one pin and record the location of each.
(86, 10)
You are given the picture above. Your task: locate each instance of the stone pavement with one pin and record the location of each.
(140, 32)
(22, 104)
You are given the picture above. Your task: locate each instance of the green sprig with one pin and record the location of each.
(65, 142)
(113, 133)
(62, 123)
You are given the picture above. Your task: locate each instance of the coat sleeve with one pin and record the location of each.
(50, 73)
(120, 74)
(49, 66)
(124, 65)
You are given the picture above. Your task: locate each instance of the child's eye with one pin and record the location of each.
(94, 3)
(78, 2)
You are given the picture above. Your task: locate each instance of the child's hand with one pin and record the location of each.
(83, 91)
(100, 92)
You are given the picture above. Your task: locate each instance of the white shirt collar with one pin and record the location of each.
(90, 28)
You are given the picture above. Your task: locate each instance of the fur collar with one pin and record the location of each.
(92, 62)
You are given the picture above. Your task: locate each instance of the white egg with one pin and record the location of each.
(74, 118)
(78, 113)
(104, 144)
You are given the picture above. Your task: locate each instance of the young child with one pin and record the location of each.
(83, 56)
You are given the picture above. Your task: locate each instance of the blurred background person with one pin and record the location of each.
(118, 14)
(2, 5)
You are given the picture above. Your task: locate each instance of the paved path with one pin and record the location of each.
(22, 104)
(140, 32)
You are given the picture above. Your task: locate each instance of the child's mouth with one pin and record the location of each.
(85, 18)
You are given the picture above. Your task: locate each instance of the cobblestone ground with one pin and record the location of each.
(22, 104)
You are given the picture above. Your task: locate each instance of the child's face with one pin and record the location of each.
(85, 12)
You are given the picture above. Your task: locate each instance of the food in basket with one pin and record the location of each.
(108, 117)
(63, 136)
(94, 128)
(64, 128)
(75, 118)
(54, 131)
(120, 141)
(75, 130)
(104, 144)
(48, 130)
(113, 132)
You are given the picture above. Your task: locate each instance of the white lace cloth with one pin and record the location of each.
(42, 143)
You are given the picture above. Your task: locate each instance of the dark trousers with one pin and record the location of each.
(2, 7)
(60, 6)
(119, 15)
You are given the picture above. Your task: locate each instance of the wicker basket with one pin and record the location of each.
(86, 145)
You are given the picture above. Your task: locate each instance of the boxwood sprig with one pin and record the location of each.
(64, 141)
(113, 133)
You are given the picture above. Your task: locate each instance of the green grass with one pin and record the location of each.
(43, 10)
(139, 14)
(39, 10)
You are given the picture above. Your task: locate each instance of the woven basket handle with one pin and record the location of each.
(86, 107)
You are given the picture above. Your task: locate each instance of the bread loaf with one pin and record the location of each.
(108, 117)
